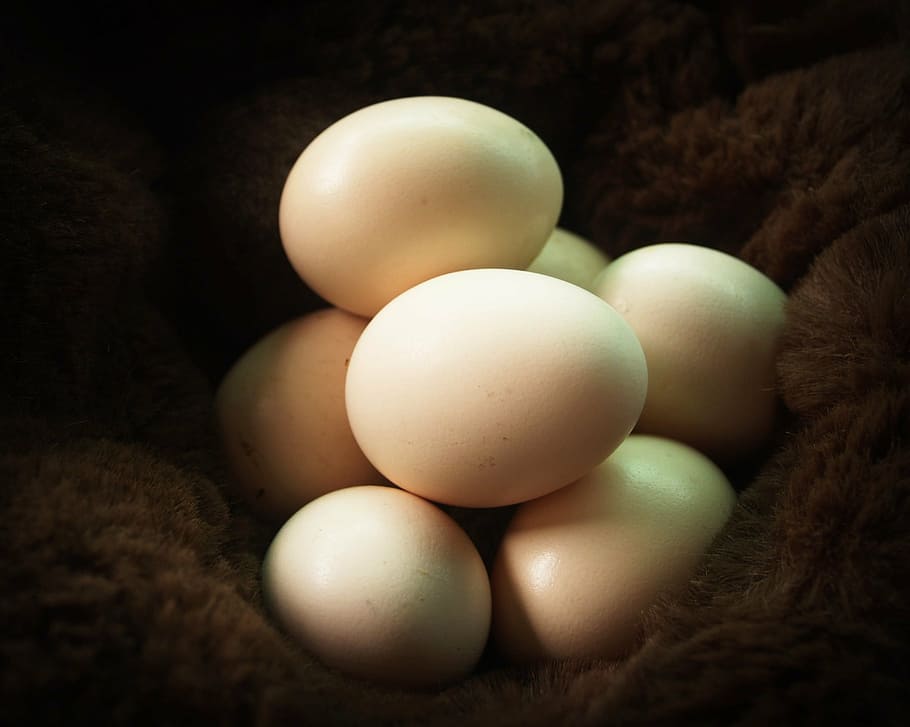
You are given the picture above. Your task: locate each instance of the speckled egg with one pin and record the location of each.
(489, 387)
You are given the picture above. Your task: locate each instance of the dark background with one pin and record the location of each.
(142, 151)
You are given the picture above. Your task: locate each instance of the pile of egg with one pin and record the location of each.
(476, 355)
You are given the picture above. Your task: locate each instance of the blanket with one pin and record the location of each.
(142, 154)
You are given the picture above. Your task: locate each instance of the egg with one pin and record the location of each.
(281, 416)
(710, 326)
(488, 387)
(382, 585)
(571, 258)
(576, 569)
(411, 188)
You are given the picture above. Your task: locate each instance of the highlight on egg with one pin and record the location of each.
(411, 188)
(488, 387)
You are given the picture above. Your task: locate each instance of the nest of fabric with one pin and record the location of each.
(142, 156)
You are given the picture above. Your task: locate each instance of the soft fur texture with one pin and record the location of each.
(142, 153)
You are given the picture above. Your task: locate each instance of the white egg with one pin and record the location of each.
(489, 387)
(382, 585)
(281, 416)
(577, 569)
(407, 189)
(710, 327)
(571, 258)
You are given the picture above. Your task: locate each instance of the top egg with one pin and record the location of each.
(408, 189)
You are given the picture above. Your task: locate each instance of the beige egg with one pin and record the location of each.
(576, 569)
(488, 387)
(380, 584)
(407, 189)
(571, 258)
(281, 416)
(710, 326)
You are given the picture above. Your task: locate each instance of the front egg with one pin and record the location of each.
(483, 388)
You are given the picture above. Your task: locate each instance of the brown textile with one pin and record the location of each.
(142, 151)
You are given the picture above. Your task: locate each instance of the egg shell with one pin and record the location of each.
(571, 258)
(710, 326)
(281, 416)
(576, 569)
(410, 188)
(380, 584)
(488, 387)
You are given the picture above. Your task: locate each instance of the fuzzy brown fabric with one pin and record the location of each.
(142, 152)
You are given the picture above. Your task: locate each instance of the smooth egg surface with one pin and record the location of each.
(569, 257)
(576, 569)
(410, 188)
(488, 387)
(281, 416)
(382, 585)
(710, 327)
